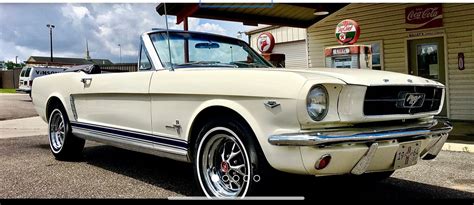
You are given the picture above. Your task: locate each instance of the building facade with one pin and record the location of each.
(443, 52)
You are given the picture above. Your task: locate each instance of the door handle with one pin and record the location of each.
(84, 80)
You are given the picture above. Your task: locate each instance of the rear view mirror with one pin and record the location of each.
(207, 45)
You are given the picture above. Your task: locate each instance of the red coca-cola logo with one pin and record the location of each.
(421, 15)
(425, 16)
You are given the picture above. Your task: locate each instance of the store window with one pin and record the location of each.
(377, 55)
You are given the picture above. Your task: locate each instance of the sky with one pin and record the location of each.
(23, 30)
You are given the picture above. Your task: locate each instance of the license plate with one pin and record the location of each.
(407, 154)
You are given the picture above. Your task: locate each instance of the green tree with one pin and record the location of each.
(11, 65)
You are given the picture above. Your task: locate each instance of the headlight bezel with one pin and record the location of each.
(323, 114)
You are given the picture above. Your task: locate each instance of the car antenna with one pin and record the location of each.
(168, 37)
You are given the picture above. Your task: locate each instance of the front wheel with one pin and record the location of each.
(226, 161)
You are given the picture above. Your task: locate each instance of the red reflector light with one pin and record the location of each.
(323, 162)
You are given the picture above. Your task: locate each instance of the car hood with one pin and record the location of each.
(365, 77)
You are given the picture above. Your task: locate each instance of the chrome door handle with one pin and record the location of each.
(84, 80)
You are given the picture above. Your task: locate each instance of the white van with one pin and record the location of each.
(29, 73)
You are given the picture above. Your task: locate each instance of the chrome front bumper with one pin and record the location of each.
(363, 135)
(435, 130)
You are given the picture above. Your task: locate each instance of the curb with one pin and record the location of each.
(458, 147)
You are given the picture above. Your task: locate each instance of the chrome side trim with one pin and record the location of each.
(361, 135)
(133, 145)
(364, 162)
(73, 107)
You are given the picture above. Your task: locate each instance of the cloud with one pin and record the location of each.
(194, 25)
(23, 29)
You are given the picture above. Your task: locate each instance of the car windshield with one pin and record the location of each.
(190, 50)
(27, 73)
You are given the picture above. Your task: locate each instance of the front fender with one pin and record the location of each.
(238, 108)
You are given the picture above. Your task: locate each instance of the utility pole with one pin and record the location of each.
(16, 59)
(51, 26)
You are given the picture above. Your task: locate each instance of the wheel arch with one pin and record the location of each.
(216, 108)
(53, 99)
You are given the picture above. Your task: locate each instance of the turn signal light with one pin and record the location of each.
(323, 162)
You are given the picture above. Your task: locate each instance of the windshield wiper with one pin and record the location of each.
(251, 65)
(206, 64)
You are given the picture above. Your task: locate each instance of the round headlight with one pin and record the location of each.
(317, 102)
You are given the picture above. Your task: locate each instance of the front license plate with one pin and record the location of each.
(407, 154)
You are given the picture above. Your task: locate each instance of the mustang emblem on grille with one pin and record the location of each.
(413, 100)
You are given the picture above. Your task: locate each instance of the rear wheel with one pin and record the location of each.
(64, 145)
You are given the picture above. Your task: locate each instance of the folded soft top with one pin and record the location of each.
(89, 69)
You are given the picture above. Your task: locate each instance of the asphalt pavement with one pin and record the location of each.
(30, 171)
(15, 106)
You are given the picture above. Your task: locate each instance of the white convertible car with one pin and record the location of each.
(213, 101)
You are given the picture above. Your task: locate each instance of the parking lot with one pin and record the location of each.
(29, 171)
(15, 106)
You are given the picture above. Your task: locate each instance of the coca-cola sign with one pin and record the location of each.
(425, 16)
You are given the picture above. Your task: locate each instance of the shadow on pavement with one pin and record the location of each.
(178, 177)
(165, 173)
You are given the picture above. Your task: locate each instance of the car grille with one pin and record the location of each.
(388, 100)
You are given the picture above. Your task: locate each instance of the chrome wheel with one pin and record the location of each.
(57, 131)
(223, 164)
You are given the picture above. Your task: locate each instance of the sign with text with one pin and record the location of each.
(425, 33)
(424, 16)
(347, 32)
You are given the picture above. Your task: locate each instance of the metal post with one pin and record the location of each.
(51, 26)
(51, 42)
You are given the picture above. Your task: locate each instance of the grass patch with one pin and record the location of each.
(4, 90)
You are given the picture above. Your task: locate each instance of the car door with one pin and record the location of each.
(118, 103)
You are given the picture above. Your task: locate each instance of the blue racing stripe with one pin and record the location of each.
(142, 136)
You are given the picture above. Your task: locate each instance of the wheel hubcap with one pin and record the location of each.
(57, 130)
(224, 166)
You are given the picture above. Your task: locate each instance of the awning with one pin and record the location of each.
(282, 14)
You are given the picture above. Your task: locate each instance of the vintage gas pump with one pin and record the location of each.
(265, 44)
(348, 55)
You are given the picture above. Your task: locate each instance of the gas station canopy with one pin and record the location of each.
(300, 15)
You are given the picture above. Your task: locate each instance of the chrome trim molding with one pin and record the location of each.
(361, 135)
(137, 146)
(435, 148)
(364, 162)
(73, 107)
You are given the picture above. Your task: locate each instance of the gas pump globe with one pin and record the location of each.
(348, 55)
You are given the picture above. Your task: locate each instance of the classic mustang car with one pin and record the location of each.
(213, 101)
